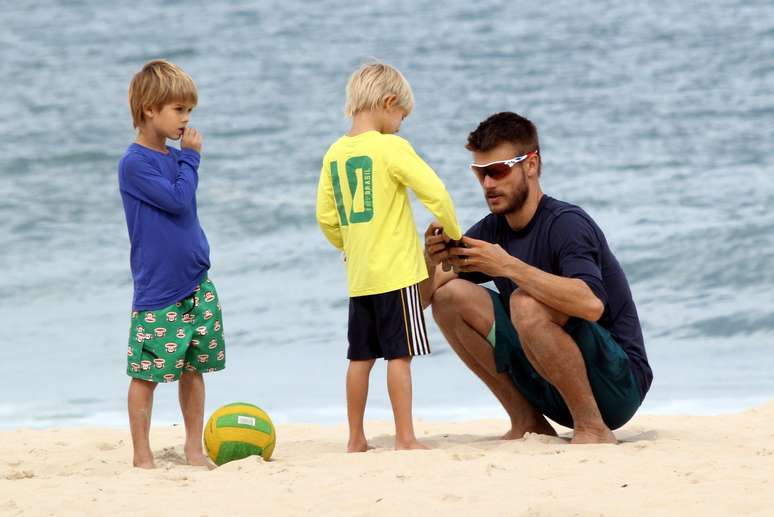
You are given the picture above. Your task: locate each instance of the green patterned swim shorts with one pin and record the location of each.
(185, 335)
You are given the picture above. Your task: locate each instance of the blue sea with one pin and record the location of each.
(656, 117)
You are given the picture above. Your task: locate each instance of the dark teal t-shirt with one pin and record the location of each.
(563, 240)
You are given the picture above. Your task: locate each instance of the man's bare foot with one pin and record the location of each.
(409, 445)
(358, 445)
(540, 427)
(593, 435)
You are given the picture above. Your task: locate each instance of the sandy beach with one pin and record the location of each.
(664, 465)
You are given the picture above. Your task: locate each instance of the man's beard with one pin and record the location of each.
(519, 197)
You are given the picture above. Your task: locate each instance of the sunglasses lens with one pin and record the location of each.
(498, 170)
(495, 171)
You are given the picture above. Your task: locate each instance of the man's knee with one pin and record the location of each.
(461, 301)
(447, 297)
(527, 314)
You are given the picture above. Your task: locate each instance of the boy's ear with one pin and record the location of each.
(389, 102)
(149, 112)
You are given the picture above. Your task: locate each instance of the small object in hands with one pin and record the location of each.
(445, 262)
(458, 244)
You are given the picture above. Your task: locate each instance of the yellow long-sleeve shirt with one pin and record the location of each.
(363, 209)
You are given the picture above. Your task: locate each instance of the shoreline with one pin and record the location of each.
(334, 415)
(663, 465)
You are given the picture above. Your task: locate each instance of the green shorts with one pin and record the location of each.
(185, 335)
(607, 365)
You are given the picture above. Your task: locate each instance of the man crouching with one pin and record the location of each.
(561, 338)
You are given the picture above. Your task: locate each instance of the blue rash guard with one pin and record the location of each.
(170, 254)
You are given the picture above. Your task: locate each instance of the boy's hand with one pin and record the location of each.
(192, 139)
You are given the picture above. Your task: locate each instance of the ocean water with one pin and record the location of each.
(657, 118)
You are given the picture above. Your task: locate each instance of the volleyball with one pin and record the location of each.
(239, 430)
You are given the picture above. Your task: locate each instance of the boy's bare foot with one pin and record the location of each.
(409, 446)
(195, 457)
(593, 435)
(144, 464)
(357, 446)
(199, 460)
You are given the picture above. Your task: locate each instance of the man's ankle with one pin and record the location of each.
(592, 433)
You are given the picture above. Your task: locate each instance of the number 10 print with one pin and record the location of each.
(365, 165)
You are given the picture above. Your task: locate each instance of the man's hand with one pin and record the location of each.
(435, 246)
(192, 139)
(480, 256)
(436, 252)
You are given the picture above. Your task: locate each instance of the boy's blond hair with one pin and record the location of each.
(372, 83)
(157, 84)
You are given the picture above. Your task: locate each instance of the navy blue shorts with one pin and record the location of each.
(389, 325)
(607, 365)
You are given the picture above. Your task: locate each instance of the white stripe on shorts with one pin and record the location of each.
(415, 322)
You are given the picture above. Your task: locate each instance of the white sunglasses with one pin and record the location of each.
(499, 169)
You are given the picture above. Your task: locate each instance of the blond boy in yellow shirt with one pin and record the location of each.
(363, 209)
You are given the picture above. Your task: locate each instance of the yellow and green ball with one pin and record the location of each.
(239, 430)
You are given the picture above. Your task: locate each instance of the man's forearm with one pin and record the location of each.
(430, 285)
(427, 287)
(570, 296)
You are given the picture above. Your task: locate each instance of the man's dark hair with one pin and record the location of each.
(504, 127)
